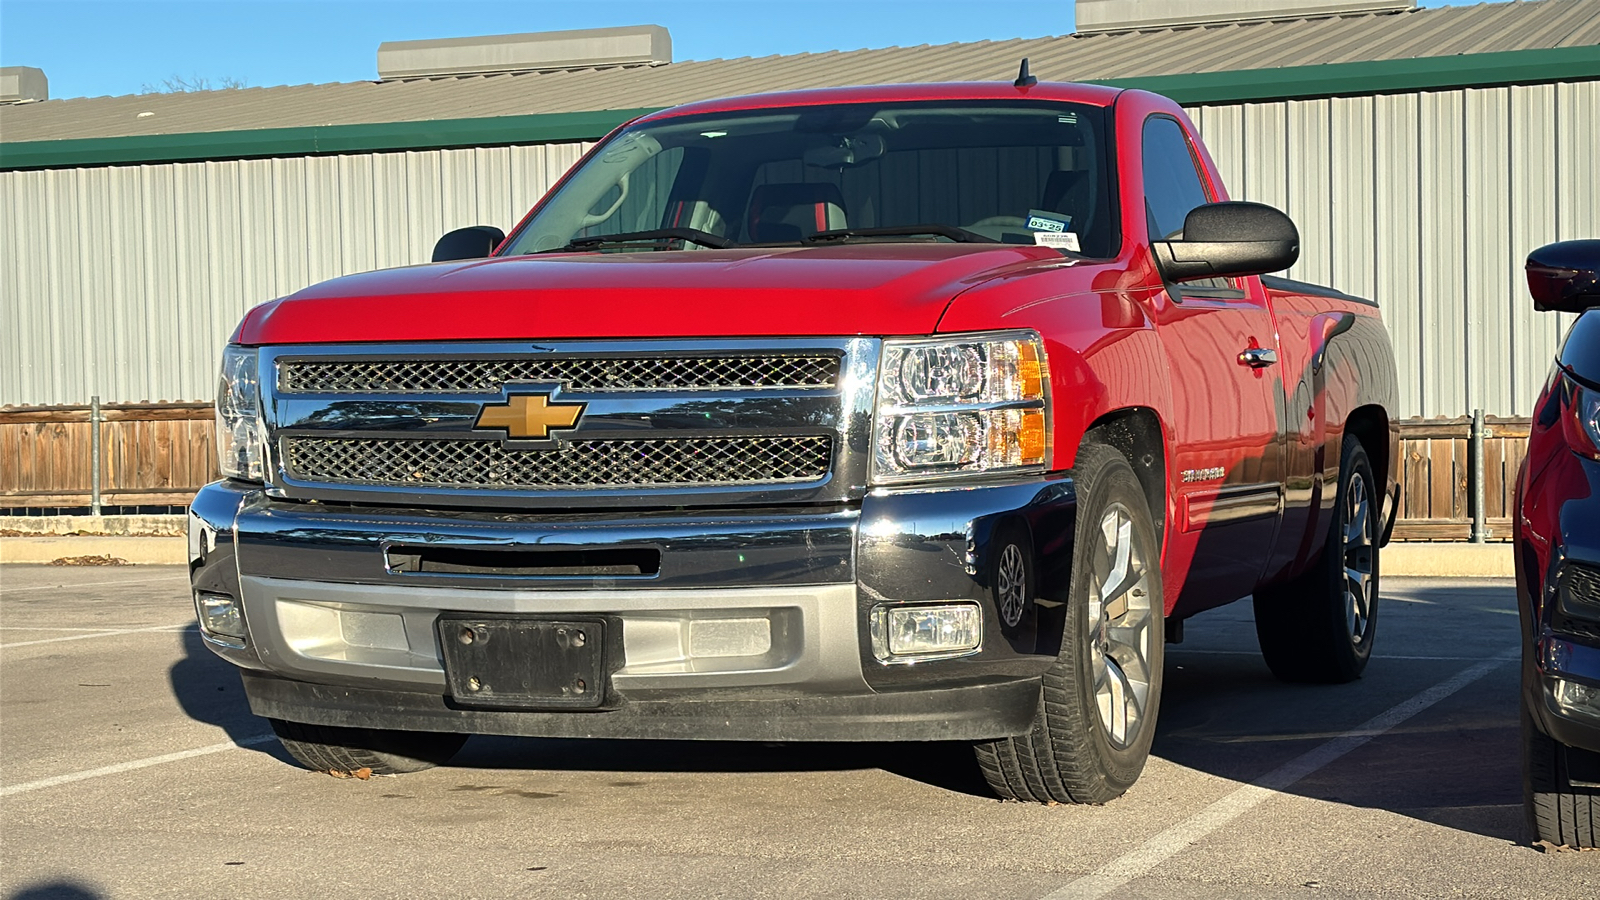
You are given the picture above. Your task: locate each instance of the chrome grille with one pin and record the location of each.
(576, 374)
(487, 464)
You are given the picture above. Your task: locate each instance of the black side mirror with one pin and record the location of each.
(476, 242)
(1565, 277)
(1227, 240)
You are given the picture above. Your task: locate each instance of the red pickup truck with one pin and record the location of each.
(913, 412)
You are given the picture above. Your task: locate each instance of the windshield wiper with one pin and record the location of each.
(653, 236)
(960, 235)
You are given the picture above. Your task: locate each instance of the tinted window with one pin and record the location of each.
(1171, 182)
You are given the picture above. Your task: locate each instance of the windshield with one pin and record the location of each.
(1012, 172)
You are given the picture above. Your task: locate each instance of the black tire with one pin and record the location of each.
(1559, 813)
(1310, 629)
(326, 748)
(1074, 753)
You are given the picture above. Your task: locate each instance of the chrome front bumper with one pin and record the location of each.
(341, 634)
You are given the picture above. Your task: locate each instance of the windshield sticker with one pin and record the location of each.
(1067, 240)
(1041, 220)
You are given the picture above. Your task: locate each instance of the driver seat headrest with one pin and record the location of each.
(791, 211)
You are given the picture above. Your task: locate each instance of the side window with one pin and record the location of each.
(1172, 188)
(1171, 182)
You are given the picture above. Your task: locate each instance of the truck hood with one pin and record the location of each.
(876, 289)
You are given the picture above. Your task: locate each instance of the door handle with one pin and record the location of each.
(1258, 357)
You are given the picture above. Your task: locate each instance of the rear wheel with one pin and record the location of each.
(1559, 812)
(1096, 718)
(326, 748)
(1319, 627)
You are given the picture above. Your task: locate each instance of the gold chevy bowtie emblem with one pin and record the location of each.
(529, 416)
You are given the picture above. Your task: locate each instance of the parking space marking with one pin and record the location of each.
(50, 628)
(96, 634)
(1139, 861)
(63, 587)
(1171, 650)
(132, 765)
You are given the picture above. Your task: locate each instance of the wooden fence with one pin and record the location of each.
(151, 454)
(1436, 477)
(161, 453)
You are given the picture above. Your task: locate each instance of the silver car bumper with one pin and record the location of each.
(762, 614)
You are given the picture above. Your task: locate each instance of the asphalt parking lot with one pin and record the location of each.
(130, 767)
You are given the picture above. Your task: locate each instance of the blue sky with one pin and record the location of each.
(91, 48)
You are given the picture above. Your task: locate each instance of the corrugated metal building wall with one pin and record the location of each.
(125, 281)
(1429, 202)
(1426, 201)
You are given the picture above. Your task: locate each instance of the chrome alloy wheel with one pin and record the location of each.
(1011, 585)
(1120, 627)
(1358, 555)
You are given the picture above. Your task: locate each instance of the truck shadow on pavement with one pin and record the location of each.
(1456, 764)
(208, 690)
(947, 766)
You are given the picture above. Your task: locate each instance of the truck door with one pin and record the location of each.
(1221, 346)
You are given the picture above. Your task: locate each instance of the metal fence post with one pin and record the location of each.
(1480, 532)
(94, 455)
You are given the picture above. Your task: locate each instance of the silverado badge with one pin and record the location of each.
(529, 416)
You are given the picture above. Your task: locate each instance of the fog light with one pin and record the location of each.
(220, 615)
(910, 633)
(1573, 697)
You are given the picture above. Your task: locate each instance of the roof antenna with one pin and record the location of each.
(1024, 80)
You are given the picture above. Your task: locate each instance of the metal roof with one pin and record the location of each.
(1420, 34)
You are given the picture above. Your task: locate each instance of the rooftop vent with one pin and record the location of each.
(20, 84)
(543, 51)
(1094, 16)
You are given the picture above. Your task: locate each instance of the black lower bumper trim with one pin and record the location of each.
(966, 713)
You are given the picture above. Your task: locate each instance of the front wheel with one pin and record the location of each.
(1096, 717)
(327, 748)
(1560, 813)
(1319, 627)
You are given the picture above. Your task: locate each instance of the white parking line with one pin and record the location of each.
(119, 768)
(1172, 649)
(76, 585)
(49, 628)
(97, 634)
(1139, 861)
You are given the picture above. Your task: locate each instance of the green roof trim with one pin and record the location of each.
(315, 139)
(1287, 83)
(1385, 76)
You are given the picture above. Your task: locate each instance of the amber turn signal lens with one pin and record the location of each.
(1031, 436)
(1029, 370)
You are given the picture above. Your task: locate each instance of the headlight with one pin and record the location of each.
(1580, 421)
(974, 404)
(240, 432)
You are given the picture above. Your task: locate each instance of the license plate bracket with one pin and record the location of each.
(524, 662)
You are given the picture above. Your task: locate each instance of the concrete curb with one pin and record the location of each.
(128, 526)
(1438, 560)
(137, 550)
(1449, 560)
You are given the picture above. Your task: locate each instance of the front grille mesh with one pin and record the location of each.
(1583, 585)
(574, 374)
(487, 464)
